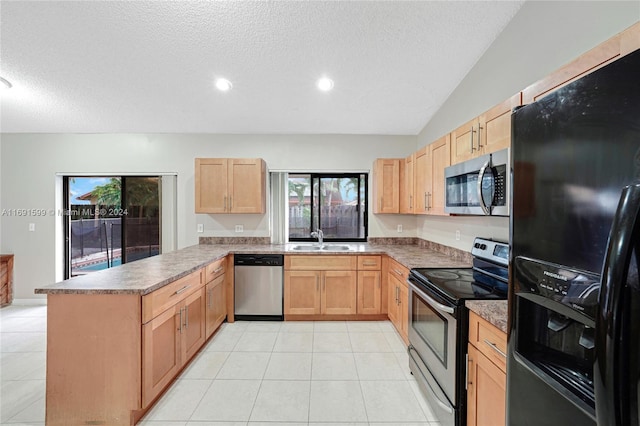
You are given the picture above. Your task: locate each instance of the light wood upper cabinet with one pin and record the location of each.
(386, 185)
(486, 133)
(495, 125)
(429, 176)
(464, 141)
(486, 374)
(421, 170)
(407, 178)
(605, 53)
(440, 155)
(230, 185)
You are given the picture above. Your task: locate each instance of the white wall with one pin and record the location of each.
(30, 162)
(543, 36)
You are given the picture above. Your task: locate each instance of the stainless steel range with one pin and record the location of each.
(438, 324)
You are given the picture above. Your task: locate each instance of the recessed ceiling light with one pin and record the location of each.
(325, 84)
(4, 84)
(223, 85)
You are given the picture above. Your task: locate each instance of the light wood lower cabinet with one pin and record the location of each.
(215, 295)
(369, 292)
(169, 341)
(216, 309)
(320, 292)
(398, 298)
(338, 286)
(486, 378)
(109, 356)
(302, 292)
(161, 349)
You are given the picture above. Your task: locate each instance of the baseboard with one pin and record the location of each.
(29, 302)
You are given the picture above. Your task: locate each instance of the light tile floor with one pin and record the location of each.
(249, 373)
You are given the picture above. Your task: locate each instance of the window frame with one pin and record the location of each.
(363, 178)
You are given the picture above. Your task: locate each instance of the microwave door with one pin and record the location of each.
(485, 187)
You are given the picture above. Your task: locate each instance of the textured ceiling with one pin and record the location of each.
(148, 67)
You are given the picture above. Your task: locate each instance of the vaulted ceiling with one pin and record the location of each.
(149, 66)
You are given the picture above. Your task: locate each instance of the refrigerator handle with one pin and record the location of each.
(612, 349)
(483, 170)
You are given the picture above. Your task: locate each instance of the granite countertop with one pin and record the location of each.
(146, 275)
(494, 311)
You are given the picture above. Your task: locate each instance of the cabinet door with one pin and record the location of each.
(246, 185)
(440, 158)
(393, 296)
(496, 125)
(193, 326)
(403, 311)
(422, 169)
(339, 290)
(216, 308)
(486, 391)
(302, 292)
(386, 186)
(211, 185)
(369, 292)
(464, 142)
(160, 353)
(407, 203)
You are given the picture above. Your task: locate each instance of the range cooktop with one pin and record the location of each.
(461, 284)
(487, 279)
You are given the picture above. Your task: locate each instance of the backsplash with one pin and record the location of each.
(452, 252)
(410, 241)
(234, 240)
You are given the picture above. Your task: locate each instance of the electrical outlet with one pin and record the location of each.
(239, 228)
(399, 228)
(32, 227)
(457, 235)
(200, 227)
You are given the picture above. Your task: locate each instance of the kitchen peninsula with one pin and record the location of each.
(116, 339)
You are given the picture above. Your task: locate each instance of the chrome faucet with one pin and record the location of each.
(319, 235)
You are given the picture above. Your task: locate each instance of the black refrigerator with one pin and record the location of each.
(574, 301)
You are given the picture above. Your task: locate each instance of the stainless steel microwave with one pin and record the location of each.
(479, 186)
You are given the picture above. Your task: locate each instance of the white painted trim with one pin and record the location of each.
(29, 302)
(110, 174)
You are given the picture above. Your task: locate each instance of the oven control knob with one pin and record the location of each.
(477, 245)
(483, 246)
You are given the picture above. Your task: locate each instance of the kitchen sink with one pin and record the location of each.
(336, 248)
(330, 247)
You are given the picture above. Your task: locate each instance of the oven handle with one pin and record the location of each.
(483, 170)
(436, 305)
(445, 407)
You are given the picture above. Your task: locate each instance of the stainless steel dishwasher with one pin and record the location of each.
(258, 286)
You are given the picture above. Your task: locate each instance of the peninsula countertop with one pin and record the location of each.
(146, 275)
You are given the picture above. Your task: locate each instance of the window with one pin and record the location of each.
(336, 203)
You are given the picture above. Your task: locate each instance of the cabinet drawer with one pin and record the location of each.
(321, 263)
(160, 300)
(398, 270)
(369, 263)
(215, 269)
(488, 339)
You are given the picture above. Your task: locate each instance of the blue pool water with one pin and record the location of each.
(101, 265)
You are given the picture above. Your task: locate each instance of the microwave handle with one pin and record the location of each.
(483, 170)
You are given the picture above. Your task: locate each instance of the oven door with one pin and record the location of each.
(432, 335)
